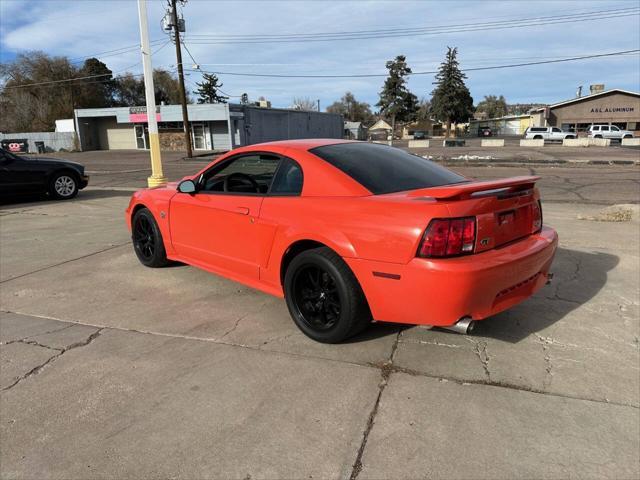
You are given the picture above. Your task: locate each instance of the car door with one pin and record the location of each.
(19, 174)
(218, 226)
(604, 131)
(614, 132)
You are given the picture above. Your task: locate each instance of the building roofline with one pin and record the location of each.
(587, 97)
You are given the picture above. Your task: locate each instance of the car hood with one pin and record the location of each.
(58, 161)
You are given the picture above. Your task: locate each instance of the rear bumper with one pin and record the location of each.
(440, 292)
(84, 181)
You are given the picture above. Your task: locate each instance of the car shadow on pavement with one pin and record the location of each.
(21, 201)
(578, 277)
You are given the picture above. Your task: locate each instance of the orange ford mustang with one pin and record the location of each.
(350, 232)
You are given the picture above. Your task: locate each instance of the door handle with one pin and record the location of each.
(242, 210)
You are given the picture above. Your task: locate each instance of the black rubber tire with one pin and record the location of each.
(628, 136)
(597, 136)
(537, 137)
(158, 256)
(53, 191)
(354, 316)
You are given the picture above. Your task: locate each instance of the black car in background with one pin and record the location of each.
(419, 135)
(485, 132)
(59, 178)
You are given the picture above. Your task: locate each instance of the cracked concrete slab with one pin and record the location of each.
(65, 338)
(138, 406)
(155, 300)
(426, 428)
(19, 359)
(16, 327)
(89, 226)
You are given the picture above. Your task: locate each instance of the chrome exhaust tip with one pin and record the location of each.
(463, 326)
(549, 277)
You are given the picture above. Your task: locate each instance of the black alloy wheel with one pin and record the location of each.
(324, 297)
(316, 297)
(147, 240)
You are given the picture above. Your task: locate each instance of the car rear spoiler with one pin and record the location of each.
(477, 189)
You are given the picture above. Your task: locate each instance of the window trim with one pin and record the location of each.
(235, 157)
(284, 194)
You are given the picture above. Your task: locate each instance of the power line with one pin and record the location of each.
(114, 52)
(473, 69)
(52, 82)
(408, 32)
(412, 29)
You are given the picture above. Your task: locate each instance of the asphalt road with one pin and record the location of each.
(575, 182)
(113, 370)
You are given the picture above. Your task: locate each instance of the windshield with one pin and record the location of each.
(382, 169)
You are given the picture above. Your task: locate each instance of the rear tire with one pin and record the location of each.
(324, 297)
(147, 240)
(63, 185)
(537, 137)
(597, 136)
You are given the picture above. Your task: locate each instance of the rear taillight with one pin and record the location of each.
(536, 217)
(448, 237)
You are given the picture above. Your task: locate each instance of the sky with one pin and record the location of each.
(83, 28)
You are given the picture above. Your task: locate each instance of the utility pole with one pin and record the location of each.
(318, 104)
(157, 178)
(183, 96)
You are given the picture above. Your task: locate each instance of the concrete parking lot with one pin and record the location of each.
(113, 370)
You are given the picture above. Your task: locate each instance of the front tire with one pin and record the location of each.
(324, 297)
(63, 186)
(147, 240)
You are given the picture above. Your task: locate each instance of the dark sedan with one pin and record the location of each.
(59, 178)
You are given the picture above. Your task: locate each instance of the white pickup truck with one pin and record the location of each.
(548, 133)
(608, 131)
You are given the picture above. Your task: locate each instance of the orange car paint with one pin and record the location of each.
(245, 238)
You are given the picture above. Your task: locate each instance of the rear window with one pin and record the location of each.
(382, 169)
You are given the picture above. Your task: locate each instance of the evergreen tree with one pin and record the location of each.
(493, 106)
(97, 91)
(451, 102)
(208, 90)
(396, 101)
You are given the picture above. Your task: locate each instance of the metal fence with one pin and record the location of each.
(52, 141)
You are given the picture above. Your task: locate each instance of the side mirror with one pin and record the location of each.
(187, 186)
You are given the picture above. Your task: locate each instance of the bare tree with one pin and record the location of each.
(304, 104)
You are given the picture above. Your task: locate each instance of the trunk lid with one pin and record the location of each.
(506, 210)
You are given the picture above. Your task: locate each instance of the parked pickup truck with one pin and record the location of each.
(548, 133)
(608, 131)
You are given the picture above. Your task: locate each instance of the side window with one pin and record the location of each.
(250, 174)
(556, 129)
(604, 128)
(288, 180)
(614, 128)
(595, 128)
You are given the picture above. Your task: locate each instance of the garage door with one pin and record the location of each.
(115, 136)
